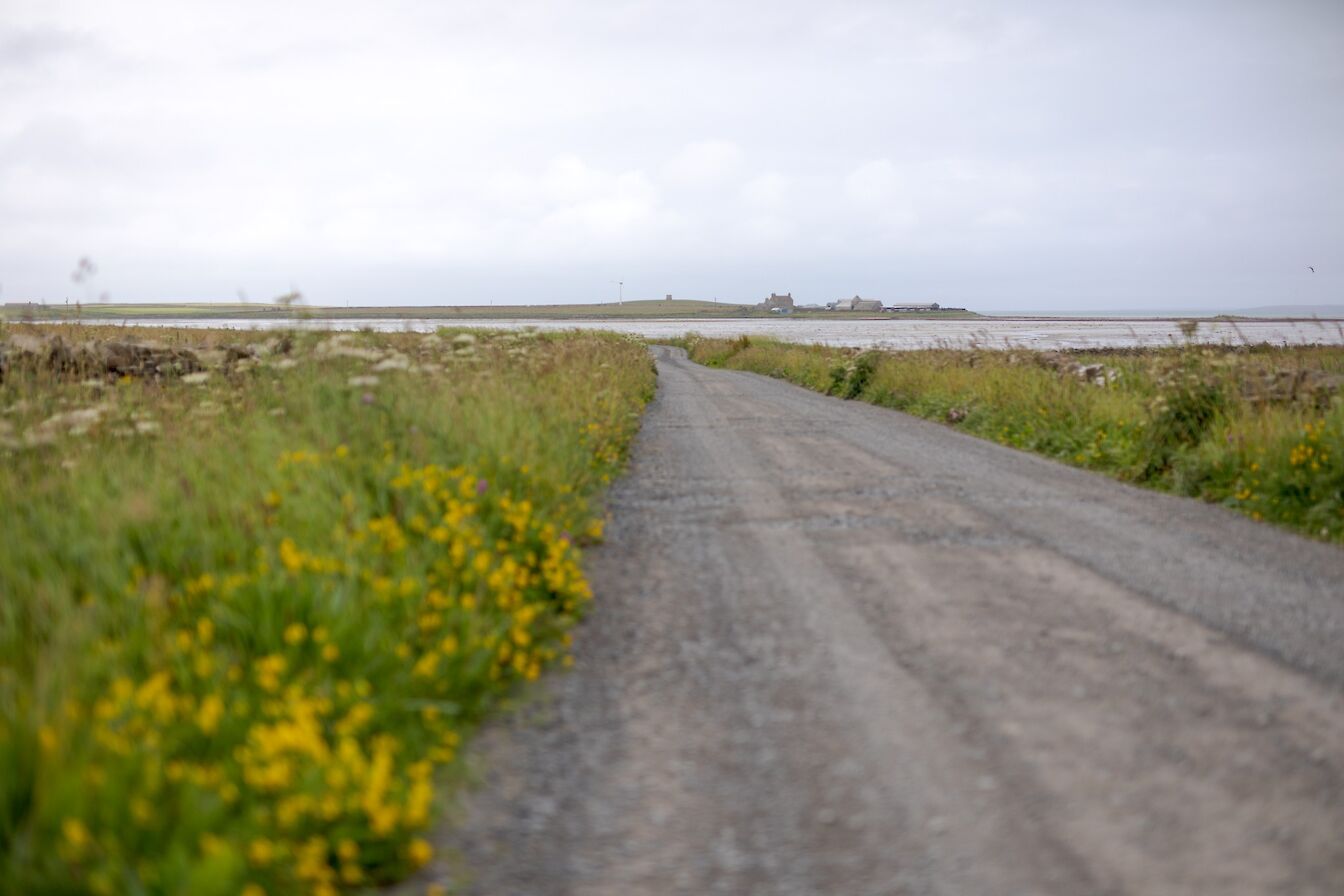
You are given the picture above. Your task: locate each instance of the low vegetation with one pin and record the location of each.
(1257, 428)
(255, 589)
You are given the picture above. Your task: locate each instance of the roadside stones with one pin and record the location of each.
(1096, 374)
(134, 359)
(234, 353)
(279, 345)
(54, 355)
(1313, 388)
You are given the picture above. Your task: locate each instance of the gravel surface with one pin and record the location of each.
(840, 650)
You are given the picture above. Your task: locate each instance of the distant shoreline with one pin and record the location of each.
(633, 311)
(674, 309)
(52, 315)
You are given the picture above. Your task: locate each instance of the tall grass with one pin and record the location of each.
(246, 618)
(1258, 428)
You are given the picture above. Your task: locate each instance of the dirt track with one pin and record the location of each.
(839, 650)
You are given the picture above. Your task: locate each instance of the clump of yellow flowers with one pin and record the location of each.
(303, 700)
(274, 716)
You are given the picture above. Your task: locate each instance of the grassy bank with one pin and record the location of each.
(1259, 429)
(253, 595)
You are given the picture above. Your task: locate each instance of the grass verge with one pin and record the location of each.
(1259, 429)
(249, 611)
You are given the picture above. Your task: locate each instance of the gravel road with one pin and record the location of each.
(839, 650)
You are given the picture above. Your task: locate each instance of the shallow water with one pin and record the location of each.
(1035, 333)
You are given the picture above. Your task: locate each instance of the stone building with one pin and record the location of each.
(777, 303)
(858, 304)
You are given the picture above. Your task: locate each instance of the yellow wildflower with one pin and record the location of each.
(420, 851)
(76, 834)
(207, 717)
(260, 851)
(290, 555)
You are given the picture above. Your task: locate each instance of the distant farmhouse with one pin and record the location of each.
(783, 304)
(777, 303)
(856, 304)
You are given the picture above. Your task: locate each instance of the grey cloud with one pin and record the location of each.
(29, 49)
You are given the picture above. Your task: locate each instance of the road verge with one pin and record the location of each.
(257, 588)
(1259, 429)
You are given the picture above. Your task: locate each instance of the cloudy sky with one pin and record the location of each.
(1029, 155)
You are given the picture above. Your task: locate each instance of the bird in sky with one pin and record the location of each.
(1312, 269)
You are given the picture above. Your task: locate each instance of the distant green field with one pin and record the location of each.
(126, 309)
(639, 308)
(646, 308)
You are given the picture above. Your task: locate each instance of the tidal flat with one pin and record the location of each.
(857, 332)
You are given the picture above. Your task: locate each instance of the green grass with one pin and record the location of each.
(246, 622)
(1258, 429)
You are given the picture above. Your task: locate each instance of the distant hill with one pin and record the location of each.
(1326, 312)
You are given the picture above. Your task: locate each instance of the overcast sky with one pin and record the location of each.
(1030, 155)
